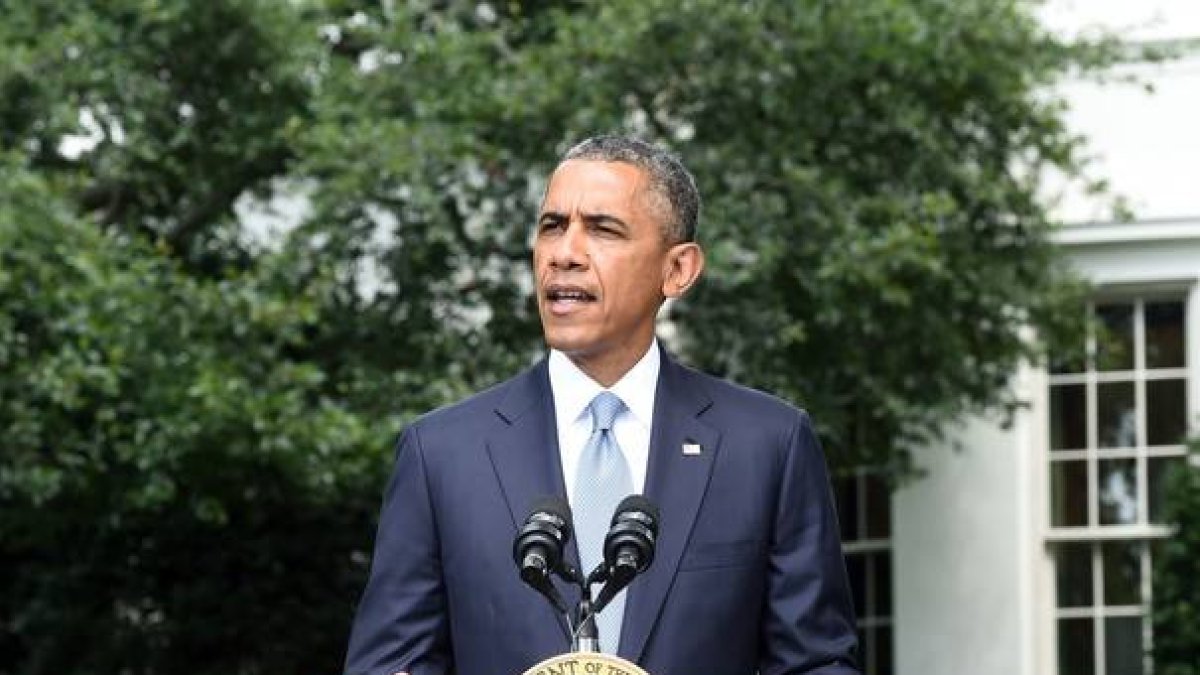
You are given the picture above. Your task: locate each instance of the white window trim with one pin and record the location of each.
(1139, 291)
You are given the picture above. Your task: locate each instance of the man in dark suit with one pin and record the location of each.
(748, 575)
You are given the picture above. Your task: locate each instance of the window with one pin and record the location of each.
(1117, 422)
(865, 515)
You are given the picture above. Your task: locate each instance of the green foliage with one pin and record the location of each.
(174, 490)
(195, 408)
(1176, 569)
(187, 103)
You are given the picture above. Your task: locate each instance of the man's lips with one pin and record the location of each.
(563, 298)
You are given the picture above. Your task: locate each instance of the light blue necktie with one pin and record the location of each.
(601, 482)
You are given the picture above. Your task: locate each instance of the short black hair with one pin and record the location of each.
(668, 178)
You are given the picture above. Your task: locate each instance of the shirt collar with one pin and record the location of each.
(574, 389)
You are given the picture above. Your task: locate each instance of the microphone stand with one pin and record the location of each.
(587, 635)
(587, 638)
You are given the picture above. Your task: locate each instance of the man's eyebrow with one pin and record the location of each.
(550, 215)
(598, 218)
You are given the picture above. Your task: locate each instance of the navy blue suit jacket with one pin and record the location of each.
(748, 574)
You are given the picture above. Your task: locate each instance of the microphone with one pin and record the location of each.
(538, 547)
(628, 546)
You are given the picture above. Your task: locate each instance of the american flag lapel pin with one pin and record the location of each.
(691, 448)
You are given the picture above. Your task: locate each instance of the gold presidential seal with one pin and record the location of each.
(585, 663)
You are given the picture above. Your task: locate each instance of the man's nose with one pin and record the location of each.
(570, 250)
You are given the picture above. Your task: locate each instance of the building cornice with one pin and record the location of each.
(1157, 230)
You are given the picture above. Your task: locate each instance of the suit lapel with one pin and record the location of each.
(524, 452)
(676, 482)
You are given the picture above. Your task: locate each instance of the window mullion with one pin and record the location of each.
(1098, 609)
(1139, 406)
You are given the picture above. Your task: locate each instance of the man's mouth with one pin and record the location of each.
(564, 297)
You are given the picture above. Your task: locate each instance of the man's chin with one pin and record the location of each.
(571, 345)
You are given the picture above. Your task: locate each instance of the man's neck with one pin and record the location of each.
(608, 369)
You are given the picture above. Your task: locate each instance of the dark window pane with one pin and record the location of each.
(1068, 417)
(1159, 469)
(1116, 415)
(1068, 494)
(883, 651)
(1073, 574)
(879, 521)
(856, 569)
(1076, 647)
(1166, 411)
(1122, 572)
(1118, 491)
(1123, 645)
(846, 493)
(1164, 335)
(1114, 342)
(883, 584)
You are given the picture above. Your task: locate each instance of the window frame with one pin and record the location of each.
(1143, 533)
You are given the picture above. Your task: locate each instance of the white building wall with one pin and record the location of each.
(965, 551)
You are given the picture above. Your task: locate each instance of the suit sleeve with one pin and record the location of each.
(401, 624)
(808, 617)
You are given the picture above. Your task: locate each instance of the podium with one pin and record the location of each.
(585, 663)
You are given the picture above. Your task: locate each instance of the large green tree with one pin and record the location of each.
(183, 485)
(196, 407)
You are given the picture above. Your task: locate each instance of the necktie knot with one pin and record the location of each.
(605, 408)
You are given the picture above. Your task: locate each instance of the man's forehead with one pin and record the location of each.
(578, 182)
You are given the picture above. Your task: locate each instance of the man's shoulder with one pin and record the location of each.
(483, 406)
(731, 398)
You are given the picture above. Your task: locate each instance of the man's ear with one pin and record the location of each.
(684, 264)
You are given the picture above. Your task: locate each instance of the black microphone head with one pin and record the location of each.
(639, 508)
(631, 540)
(538, 546)
(557, 507)
(545, 533)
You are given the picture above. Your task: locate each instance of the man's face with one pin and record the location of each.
(601, 264)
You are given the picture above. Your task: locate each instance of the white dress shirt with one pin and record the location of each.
(573, 390)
